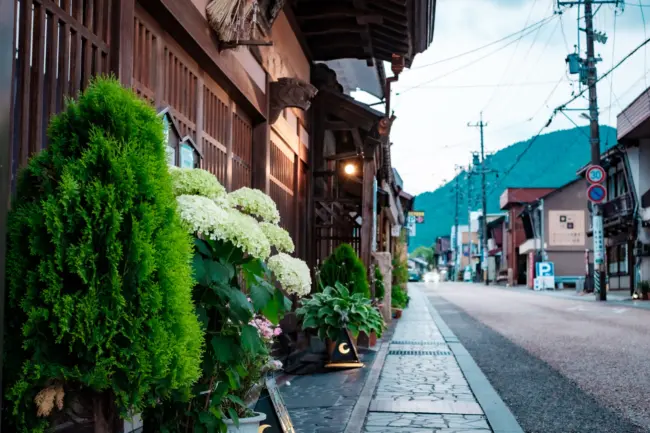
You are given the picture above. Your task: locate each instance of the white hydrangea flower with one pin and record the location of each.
(278, 237)
(254, 202)
(292, 274)
(204, 217)
(194, 181)
(245, 232)
(201, 215)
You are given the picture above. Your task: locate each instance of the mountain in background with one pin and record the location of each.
(552, 161)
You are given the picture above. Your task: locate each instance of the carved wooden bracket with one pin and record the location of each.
(289, 92)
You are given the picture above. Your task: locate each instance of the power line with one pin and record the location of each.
(482, 46)
(606, 74)
(566, 42)
(466, 65)
(560, 107)
(505, 71)
(611, 79)
(474, 86)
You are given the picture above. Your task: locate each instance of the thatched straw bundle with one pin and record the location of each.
(233, 19)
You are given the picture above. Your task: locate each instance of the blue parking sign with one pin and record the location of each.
(545, 269)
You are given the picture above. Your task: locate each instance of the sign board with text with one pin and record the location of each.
(417, 215)
(599, 240)
(595, 174)
(566, 228)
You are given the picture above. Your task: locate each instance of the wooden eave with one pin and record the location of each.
(349, 111)
(365, 29)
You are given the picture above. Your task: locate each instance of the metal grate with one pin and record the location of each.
(419, 343)
(420, 352)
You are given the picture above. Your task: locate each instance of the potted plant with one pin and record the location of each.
(241, 418)
(399, 301)
(335, 308)
(345, 267)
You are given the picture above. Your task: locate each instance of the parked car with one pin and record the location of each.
(414, 275)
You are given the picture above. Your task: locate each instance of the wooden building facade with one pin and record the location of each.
(245, 104)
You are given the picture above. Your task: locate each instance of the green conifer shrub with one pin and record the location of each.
(98, 266)
(345, 267)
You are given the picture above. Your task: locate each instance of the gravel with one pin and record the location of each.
(560, 365)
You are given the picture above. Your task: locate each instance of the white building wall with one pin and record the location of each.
(639, 161)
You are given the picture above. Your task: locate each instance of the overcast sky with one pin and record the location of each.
(517, 87)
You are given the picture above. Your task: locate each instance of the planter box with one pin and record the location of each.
(397, 313)
(364, 340)
(246, 425)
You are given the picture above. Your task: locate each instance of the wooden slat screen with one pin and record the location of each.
(60, 45)
(282, 187)
(180, 91)
(242, 151)
(216, 123)
(145, 45)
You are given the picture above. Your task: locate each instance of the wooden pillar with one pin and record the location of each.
(297, 205)
(121, 42)
(262, 149)
(315, 160)
(366, 209)
(7, 23)
(229, 140)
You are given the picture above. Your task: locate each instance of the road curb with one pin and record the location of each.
(361, 408)
(498, 414)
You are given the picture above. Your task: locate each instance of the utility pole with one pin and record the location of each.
(470, 241)
(456, 255)
(597, 215)
(483, 228)
(589, 76)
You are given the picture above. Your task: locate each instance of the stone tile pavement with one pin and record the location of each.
(323, 403)
(422, 389)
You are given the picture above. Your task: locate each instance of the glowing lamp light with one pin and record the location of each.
(350, 169)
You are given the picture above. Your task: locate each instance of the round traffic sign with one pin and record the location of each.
(595, 174)
(596, 193)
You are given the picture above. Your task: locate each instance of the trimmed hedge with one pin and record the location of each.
(345, 267)
(98, 265)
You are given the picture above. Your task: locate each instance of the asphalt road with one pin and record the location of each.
(561, 365)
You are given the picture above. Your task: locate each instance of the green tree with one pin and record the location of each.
(425, 253)
(345, 267)
(99, 269)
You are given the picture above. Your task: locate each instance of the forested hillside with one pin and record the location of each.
(551, 161)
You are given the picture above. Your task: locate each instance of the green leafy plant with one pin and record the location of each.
(400, 271)
(335, 308)
(99, 270)
(240, 295)
(380, 289)
(399, 298)
(345, 267)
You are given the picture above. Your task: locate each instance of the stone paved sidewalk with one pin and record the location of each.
(422, 389)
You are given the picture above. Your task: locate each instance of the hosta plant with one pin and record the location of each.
(335, 308)
(100, 317)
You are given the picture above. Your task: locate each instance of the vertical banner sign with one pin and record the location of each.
(599, 240)
(374, 215)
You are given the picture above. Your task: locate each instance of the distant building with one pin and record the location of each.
(556, 229)
(442, 252)
(514, 200)
(619, 221)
